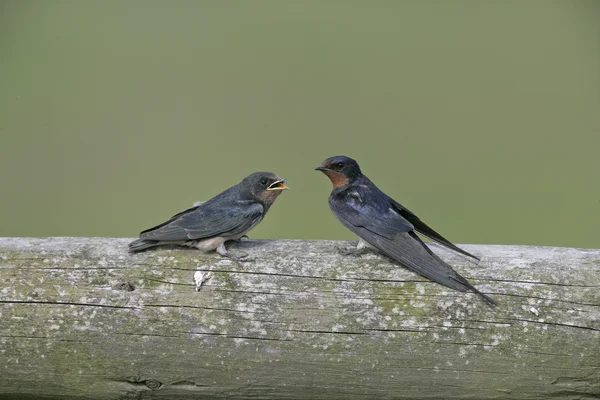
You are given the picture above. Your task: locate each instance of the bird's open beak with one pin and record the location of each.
(278, 185)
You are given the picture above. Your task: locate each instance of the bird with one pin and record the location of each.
(228, 216)
(384, 224)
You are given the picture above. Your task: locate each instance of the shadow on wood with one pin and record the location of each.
(82, 318)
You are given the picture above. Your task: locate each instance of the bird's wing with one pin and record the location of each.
(208, 220)
(391, 235)
(375, 216)
(425, 230)
(403, 246)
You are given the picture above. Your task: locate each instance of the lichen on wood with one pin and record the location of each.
(82, 318)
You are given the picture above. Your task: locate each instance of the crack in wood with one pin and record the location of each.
(66, 303)
(558, 300)
(237, 336)
(326, 332)
(543, 283)
(465, 344)
(44, 338)
(145, 334)
(424, 330)
(552, 324)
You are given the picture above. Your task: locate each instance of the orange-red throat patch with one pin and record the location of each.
(337, 178)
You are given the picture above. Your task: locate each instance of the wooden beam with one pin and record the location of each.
(82, 318)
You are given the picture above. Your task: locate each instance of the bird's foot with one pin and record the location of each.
(350, 252)
(239, 259)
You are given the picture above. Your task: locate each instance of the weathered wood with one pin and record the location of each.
(82, 318)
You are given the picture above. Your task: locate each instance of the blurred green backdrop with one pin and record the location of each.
(482, 117)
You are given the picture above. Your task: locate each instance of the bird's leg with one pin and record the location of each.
(243, 237)
(351, 252)
(361, 248)
(223, 252)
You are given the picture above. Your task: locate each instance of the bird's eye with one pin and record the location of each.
(264, 181)
(340, 165)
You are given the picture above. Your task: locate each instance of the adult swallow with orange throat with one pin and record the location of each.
(227, 216)
(383, 223)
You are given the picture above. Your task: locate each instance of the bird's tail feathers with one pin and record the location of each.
(468, 286)
(141, 245)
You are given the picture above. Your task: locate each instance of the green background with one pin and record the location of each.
(482, 117)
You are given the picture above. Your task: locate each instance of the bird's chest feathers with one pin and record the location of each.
(337, 178)
(269, 196)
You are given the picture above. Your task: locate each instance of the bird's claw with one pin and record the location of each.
(246, 258)
(243, 237)
(239, 259)
(221, 250)
(349, 252)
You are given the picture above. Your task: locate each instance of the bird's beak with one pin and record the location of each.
(321, 168)
(278, 185)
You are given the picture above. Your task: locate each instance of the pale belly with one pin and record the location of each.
(211, 243)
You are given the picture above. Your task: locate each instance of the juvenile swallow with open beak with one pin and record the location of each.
(227, 216)
(383, 223)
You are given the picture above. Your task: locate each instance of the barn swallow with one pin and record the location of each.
(227, 216)
(383, 223)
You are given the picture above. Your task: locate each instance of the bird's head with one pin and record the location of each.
(341, 170)
(264, 186)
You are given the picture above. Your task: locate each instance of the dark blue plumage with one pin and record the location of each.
(227, 216)
(388, 226)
